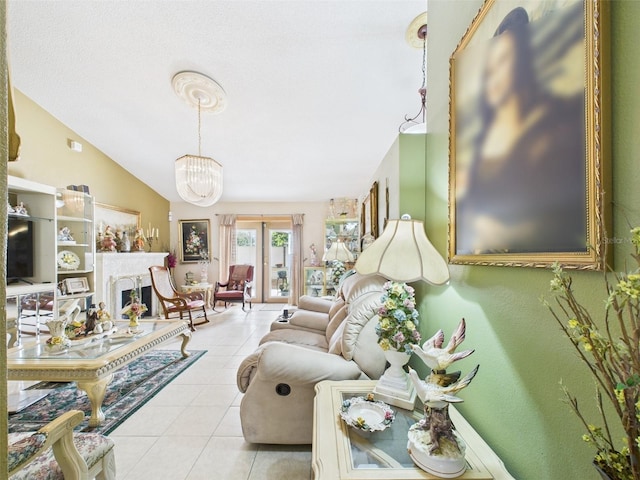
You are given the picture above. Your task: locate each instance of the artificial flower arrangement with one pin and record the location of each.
(134, 309)
(194, 242)
(75, 329)
(337, 271)
(172, 259)
(610, 349)
(398, 323)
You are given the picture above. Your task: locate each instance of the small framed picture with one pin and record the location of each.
(76, 285)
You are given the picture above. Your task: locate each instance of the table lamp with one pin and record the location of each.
(338, 251)
(403, 253)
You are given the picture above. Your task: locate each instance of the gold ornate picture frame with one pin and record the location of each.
(369, 213)
(194, 240)
(118, 218)
(528, 151)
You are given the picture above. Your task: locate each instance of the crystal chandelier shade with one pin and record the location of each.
(199, 179)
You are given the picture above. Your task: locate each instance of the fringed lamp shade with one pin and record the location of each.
(199, 180)
(403, 253)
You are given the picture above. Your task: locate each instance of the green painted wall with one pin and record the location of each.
(515, 401)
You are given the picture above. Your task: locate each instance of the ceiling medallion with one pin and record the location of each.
(199, 179)
(194, 87)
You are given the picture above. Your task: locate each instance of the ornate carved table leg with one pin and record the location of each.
(186, 336)
(95, 391)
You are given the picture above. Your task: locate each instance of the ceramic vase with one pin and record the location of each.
(204, 274)
(133, 322)
(59, 338)
(397, 360)
(395, 387)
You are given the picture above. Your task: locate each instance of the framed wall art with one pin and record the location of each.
(373, 212)
(365, 217)
(119, 219)
(194, 240)
(528, 135)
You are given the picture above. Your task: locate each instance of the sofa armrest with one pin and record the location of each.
(315, 304)
(285, 363)
(310, 319)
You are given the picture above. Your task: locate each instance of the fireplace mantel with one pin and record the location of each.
(110, 267)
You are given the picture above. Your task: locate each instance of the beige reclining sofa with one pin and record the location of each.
(278, 379)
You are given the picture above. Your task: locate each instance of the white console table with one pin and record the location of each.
(339, 452)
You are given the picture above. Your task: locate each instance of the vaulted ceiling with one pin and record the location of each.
(316, 89)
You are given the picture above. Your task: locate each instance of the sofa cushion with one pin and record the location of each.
(336, 321)
(335, 342)
(315, 304)
(303, 338)
(335, 306)
(358, 285)
(360, 313)
(309, 319)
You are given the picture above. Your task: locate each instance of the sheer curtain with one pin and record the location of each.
(227, 255)
(298, 259)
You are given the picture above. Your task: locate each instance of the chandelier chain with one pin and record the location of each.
(424, 61)
(199, 128)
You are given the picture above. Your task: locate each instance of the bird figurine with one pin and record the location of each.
(430, 392)
(438, 358)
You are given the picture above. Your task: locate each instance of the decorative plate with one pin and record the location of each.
(68, 260)
(366, 414)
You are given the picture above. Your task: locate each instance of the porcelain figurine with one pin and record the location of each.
(434, 444)
(64, 235)
(108, 243)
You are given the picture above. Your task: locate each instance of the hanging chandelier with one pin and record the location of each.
(199, 179)
(417, 37)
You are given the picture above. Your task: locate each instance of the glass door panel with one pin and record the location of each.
(278, 261)
(249, 252)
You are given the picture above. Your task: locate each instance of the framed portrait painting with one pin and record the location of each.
(194, 240)
(528, 135)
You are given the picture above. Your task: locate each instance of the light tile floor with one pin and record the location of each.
(191, 429)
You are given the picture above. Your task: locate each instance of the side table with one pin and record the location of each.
(206, 288)
(339, 452)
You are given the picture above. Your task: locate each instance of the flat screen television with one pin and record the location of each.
(19, 249)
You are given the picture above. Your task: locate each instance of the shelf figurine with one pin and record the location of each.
(139, 240)
(64, 235)
(108, 243)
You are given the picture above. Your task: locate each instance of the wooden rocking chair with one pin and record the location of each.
(173, 301)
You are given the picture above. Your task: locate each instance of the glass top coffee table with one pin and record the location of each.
(91, 362)
(340, 452)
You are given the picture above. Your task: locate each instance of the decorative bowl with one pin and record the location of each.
(68, 260)
(366, 415)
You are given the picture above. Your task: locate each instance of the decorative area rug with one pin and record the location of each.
(132, 386)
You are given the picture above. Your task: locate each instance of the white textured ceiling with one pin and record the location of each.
(316, 89)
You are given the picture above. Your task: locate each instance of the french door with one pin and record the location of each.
(267, 246)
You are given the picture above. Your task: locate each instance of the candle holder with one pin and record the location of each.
(150, 241)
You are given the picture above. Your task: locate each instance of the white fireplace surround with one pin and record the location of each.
(117, 272)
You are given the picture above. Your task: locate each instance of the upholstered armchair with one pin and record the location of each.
(279, 378)
(173, 301)
(56, 452)
(237, 288)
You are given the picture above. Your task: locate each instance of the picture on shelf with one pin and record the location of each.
(75, 285)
